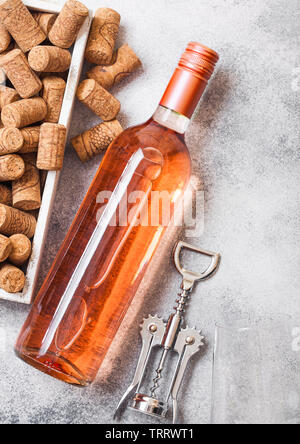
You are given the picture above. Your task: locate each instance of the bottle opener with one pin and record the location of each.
(169, 336)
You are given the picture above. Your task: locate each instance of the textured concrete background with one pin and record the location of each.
(244, 143)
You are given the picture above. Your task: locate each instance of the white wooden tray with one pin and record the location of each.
(39, 239)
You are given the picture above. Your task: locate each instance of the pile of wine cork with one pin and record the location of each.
(35, 55)
(111, 67)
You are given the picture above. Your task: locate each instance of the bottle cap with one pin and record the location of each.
(190, 78)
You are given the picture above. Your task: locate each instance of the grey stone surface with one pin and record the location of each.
(244, 142)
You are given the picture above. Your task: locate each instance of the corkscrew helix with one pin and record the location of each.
(170, 336)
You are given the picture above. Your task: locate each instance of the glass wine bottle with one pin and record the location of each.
(109, 246)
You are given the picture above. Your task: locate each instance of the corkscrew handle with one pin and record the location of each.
(190, 277)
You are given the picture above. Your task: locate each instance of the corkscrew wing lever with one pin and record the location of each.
(152, 331)
(188, 343)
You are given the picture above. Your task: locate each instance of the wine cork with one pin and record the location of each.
(5, 195)
(20, 249)
(26, 191)
(5, 247)
(5, 38)
(20, 24)
(127, 62)
(17, 69)
(12, 279)
(96, 140)
(68, 23)
(51, 147)
(7, 96)
(97, 99)
(34, 213)
(31, 137)
(11, 140)
(12, 167)
(49, 59)
(24, 112)
(45, 20)
(103, 35)
(14, 221)
(53, 94)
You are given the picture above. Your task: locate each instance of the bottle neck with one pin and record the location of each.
(171, 119)
(186, 87)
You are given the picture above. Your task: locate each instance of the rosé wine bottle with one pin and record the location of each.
(109, 246)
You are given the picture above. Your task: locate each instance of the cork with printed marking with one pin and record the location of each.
(17, 69)
(45, 20)
(126, 63)
(19, 22)
(26, 191)
(53, 94)
(103, 35)
(24, 112)
(68, 23)
(31, 137)
(49, 59)
(98, 100)
(5, 195)
(51, 148)
(7, 96)
(5, 247)
(20, 249)
(12, 279)
(14, 221)
(96, 140)
(5, 38)
(11, 140)
(12, 167)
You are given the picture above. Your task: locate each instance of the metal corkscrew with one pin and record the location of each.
(170, 336)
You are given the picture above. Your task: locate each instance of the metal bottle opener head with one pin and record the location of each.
(170, 336)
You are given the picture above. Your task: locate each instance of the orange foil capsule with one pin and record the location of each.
(187, 85)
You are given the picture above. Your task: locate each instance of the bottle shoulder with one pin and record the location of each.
(163, 145)
(152, 134)
(150, 149)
